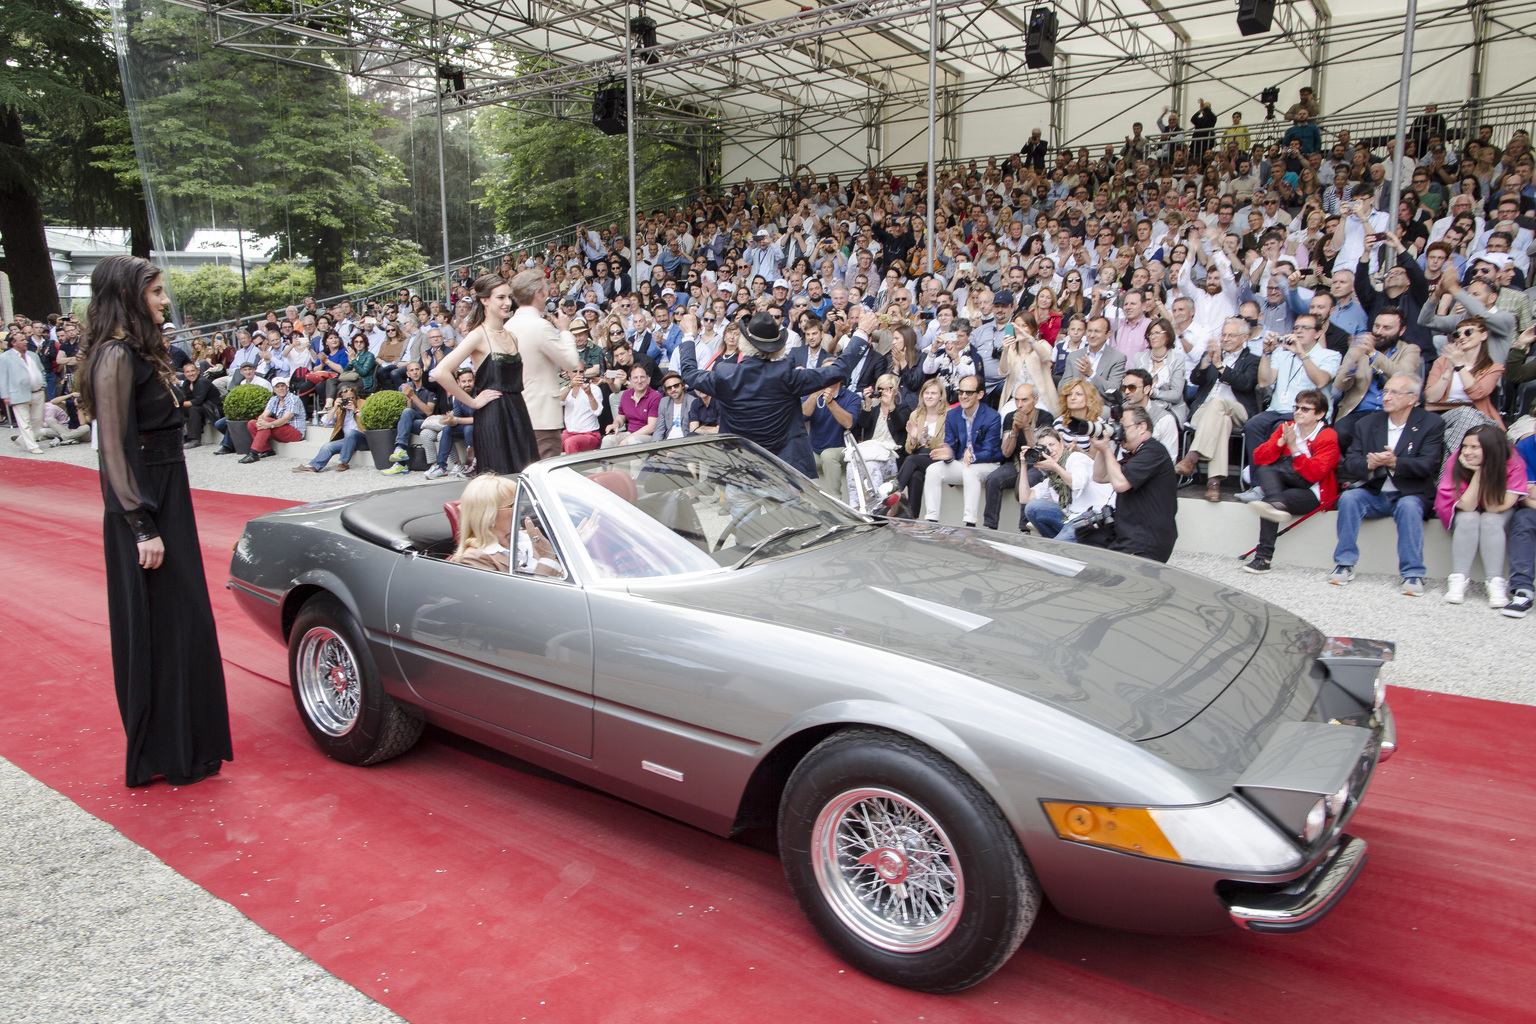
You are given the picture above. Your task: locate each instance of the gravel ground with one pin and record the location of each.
(96, 928)
(1467, 649)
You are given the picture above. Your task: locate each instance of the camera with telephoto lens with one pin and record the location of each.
(1097, 519)
(1093, 430)
(1034, 455)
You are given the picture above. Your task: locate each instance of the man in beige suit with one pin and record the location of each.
(547, 350)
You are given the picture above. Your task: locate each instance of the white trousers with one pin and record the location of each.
(971, 478)
(29, 420)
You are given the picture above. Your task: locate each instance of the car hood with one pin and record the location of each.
(1133, 645)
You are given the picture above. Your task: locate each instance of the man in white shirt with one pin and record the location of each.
(1353, 232)
(1293, 364)
(547, 349)
(1214, 302)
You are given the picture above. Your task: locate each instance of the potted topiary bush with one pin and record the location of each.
(380, 419)
(243, 403)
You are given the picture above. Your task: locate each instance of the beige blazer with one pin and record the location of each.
(545, 351)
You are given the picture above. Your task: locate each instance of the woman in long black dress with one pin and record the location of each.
(165, 654)
(504, 439)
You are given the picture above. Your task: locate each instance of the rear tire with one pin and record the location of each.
(902, 863)
(337, 690)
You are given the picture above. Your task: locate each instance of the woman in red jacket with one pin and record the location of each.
(1295, 468)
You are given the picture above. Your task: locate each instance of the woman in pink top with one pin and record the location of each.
(1479, 488)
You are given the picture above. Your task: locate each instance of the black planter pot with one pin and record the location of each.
(240, 435)
(380, 444)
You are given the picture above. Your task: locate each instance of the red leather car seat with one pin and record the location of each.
(451, 508)
(618, 482)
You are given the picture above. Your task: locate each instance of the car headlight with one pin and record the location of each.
(1225, 834)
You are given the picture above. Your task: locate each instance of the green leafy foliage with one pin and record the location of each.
(281, 151)
(246, 401)
(382, 411)
(215, 292)
(547, 173)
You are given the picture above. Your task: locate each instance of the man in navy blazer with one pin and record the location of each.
(973, 448)
(1397, 452)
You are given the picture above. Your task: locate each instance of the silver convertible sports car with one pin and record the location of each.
(945, 725)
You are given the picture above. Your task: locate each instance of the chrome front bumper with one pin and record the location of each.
(1302, 903)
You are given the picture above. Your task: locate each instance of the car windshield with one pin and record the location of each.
(692, 508)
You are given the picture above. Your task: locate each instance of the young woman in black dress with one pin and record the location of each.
(165, 653)
(504, 438)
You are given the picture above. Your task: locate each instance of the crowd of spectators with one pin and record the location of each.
(1206, 291)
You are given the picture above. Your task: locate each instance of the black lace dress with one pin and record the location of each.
(165, 653)
(504, 441)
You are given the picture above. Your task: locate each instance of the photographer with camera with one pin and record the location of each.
(1021, 430)
(1066, 491)
(1145, 486)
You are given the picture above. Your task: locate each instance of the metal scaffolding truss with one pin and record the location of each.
(749, 67)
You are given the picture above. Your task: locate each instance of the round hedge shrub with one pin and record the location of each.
(246, 401)
(382, 410)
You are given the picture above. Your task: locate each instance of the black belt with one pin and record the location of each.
(161, 447)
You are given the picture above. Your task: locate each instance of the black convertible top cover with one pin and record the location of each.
(410, 519)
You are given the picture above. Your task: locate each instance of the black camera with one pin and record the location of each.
(1097, 519)
(1034, 455)
(1093, 430)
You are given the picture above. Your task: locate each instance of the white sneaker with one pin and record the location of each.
(1455, 588)
(1498, 592)
(435, 472)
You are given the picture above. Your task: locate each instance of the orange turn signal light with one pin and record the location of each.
(1131, 829)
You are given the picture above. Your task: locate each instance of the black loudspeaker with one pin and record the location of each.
(1254, 16)
(1040, 43)
(610, 110)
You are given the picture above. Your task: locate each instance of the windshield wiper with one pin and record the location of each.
(788, 531)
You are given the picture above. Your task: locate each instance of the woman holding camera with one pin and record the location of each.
(1065, 492)
(1479, 488)
(346, 437)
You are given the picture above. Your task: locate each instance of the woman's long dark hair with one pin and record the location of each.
(1493, 481)
(483, 289)
(118, 308)
(1484, 357)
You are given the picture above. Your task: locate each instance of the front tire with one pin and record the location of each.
(337, 690)
(902, 863)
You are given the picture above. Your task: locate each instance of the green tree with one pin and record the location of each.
(59, 91)
(413, 144)
(276, 150)
(547, 173)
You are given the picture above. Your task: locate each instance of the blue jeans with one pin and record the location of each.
(445, 441)
(1522, 548)
(1406, 510)
(411, 419)
(51, 385)
(347, 446)
(1044, 515)
(222, 426)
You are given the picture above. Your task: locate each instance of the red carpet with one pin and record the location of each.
(453, 885)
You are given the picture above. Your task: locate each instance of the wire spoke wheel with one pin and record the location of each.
(888, 870)
(330, 684)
